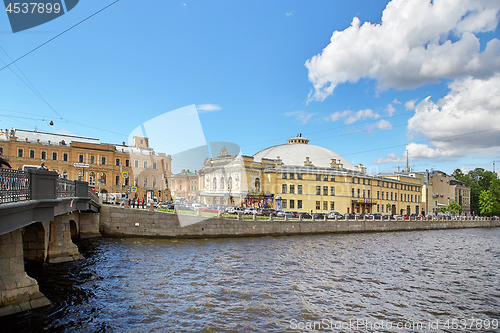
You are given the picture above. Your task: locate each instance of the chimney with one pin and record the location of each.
(49, 142)
(123, 143)
(26, 139)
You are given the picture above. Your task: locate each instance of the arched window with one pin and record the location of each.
(117, 180)
(103, 176)
(222, 184)
(145, 181)
(230, 183)
(215, 183)
(207, 182)
(92, 178)
(154, 182)
(257, 184)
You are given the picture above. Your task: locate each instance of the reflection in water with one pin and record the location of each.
(269, 284)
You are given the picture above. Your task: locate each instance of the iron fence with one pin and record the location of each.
(66, 188)
(92, 195)
(14, 185)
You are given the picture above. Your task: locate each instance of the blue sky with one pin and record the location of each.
(366, 79)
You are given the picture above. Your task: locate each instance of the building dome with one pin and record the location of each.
(298, 152)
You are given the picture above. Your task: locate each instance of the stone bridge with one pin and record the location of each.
(40, 214)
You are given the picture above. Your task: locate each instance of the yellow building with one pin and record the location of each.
(301, 177)
(101, 165)
(185, 185)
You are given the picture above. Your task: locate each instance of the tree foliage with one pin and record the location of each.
(478, 180)
(489, 202)
(453, 207)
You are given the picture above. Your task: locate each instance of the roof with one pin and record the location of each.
(32, 136)
(294, 154)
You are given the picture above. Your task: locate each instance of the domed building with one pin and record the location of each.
(298, 176)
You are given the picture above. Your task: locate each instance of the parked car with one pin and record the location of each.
(250, 211)
(350, 216)
(305, 215)
(235, 210)
(266, 211)
(319, 216)
(210, 210)
(332, 215)
(377, 216)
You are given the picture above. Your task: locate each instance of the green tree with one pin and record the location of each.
(443, 209)
(478, 180)
(453, 207)
(488, 202)
(389, 208)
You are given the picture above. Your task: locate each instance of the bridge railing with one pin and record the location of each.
(17, 185)
(14, 185)
(65, 188)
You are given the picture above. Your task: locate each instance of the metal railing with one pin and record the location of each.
(65, 188)
(92, 195)
(14, 185)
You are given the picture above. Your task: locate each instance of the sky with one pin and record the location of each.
(366, 79)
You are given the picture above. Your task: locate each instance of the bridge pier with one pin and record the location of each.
(89, 225)
(61, 248)
(18, 291)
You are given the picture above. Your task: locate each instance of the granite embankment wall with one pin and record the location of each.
(126, 222)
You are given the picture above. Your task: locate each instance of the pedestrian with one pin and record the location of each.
(143, 203)
(133, 203)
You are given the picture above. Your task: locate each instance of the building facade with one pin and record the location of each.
(440, 189)
(107, 168)
(185, 185)
(305, 178)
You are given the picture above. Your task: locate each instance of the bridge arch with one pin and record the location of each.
(73, 227)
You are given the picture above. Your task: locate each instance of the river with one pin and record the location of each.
(419, 281)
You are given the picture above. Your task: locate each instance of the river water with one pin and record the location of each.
(373, 282)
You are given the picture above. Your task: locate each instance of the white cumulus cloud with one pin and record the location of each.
(202, 108)
(390, 109)
(303, 117)
(352, 116)
(412, 46)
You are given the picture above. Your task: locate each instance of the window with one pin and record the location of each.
(145, 182)
(332, 190)
(353, 193)
(292, 176)
(222, 187)
(396, 186)
(257, 184)
(136, 163)
(145, 164)
(401, 196)
(325, 190)
(126, 181)
(103, 177)
(154, 165)
(353, 179)
(92, 179)
(283, 203)
(103, 160)
(405, 196)
(391, 196)
(65, 174)
(364, 193)
(92, 159)
(32, 153)
(318, 177)
(44, 155)
(215, 183)
(325, 178)
(332, 205)
(368, 182)
(411, 198)
(392, 185)
(299, 176)
(1, 151)
(117, 180)
(80, 158)
(292, 204)
(325, 205)
(299, 204)
(318, 190)
(117, 162)
(332, 178)
(378, 182)
(292, 189)
(378, 208)
(127, 162)
(54, 156)
(283, 188)
(364, 180)
(359, 193)
(382, 195)
(65, 157)
(154, 182)
(358, 180)
(283, 176)
(369, 194)
(318, 203)
(136, 181)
